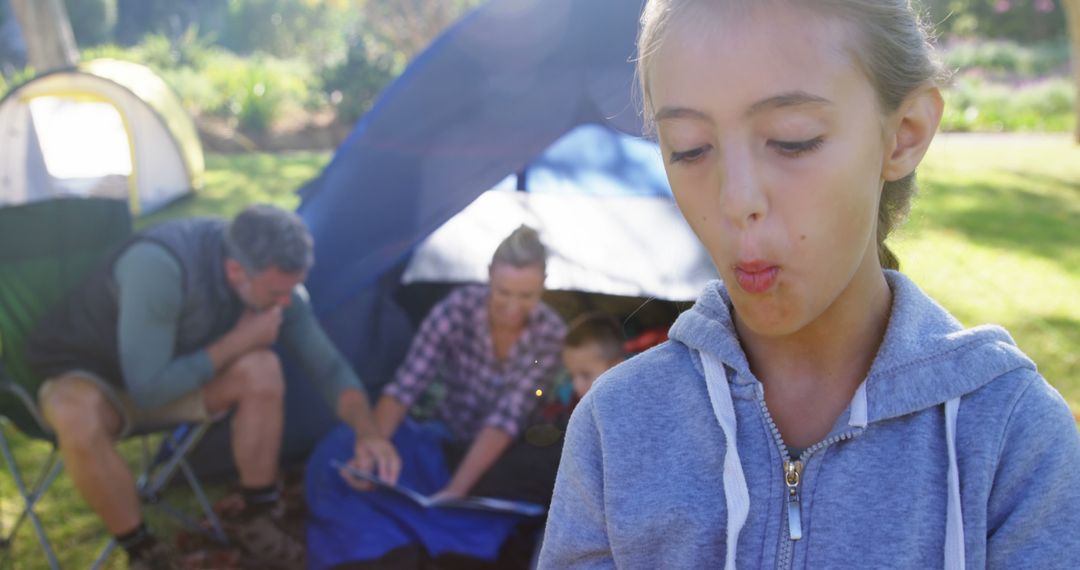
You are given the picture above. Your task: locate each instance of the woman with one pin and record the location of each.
(492, 347)
(816, 409)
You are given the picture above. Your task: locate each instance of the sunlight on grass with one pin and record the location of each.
(76, 534)
(995, 237)
(234, 181)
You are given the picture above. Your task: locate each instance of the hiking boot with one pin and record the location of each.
(264, 541)
(158, 557)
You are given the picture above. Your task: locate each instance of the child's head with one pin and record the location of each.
(791, 130)
(593, 343)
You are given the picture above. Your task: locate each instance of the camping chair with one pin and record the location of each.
(46, 248)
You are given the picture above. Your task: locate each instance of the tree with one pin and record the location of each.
(1072, 11)
(50, 44)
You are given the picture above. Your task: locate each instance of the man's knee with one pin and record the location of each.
(80, 413)
(261, 375)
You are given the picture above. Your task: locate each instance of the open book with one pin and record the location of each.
(471, 503)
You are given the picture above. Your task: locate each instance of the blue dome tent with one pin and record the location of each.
(517, 113)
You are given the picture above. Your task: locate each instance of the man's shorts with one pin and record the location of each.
(188, 408)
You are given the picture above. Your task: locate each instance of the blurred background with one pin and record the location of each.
(306, 70)
(274, 86)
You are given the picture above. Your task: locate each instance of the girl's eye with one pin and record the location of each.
(793, 149)
(688, 155)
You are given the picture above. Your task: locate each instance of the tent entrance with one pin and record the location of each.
(84, 144)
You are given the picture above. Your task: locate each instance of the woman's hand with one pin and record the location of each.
(449, 493)
(376, 455)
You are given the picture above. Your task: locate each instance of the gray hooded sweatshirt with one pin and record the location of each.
(953, 453)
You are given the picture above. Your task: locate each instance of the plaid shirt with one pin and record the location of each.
(454, 342)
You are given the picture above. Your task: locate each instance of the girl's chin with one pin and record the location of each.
(766, 319)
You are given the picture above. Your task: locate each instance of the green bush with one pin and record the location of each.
(311, 29)
(1022, 20)
(253, 91)
(1004, 58)
(160, 52)
(974, 104)
(15, 79)
(353, 85)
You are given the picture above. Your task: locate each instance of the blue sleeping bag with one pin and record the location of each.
(346, 525)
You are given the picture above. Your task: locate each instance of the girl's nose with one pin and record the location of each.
(742, 199)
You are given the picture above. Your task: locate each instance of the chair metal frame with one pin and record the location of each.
(158, 470)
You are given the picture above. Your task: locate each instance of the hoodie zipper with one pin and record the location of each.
(792, 477)
(792, 474)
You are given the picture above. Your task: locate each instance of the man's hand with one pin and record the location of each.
(259, 329)
(374, 454)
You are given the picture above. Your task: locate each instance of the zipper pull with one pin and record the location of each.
(792, 472)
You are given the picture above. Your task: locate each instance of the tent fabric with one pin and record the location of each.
(152, 90)
(485, 98)
(602, 204)
(107, 129)
(629, 246)
(494, 91)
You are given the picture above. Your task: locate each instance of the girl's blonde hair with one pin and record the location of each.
(893, 50)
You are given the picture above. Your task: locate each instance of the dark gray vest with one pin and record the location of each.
(82, 332)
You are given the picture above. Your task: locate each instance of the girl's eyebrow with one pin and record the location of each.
(667, 113)
(789, 99)
(783, 100)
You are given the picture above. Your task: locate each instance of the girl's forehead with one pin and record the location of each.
(748, 55)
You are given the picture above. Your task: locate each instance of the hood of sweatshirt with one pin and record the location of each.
(925, 359)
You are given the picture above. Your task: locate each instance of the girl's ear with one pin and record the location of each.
(912, 128)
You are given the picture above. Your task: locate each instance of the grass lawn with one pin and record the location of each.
(994, 236)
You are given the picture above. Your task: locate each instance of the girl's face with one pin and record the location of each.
(774, 146)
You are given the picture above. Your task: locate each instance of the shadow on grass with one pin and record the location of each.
(1040, 225)
(1046, 179)
(1050, 342)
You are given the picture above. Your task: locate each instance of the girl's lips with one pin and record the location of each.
(756, 277)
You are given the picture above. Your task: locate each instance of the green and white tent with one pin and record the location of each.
(108, 129)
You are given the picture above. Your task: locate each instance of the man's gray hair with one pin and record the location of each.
(264, 236)
(522, 248)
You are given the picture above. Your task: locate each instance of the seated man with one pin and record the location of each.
(177, 326)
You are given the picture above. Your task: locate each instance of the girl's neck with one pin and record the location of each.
(835, 351)
(811, 376)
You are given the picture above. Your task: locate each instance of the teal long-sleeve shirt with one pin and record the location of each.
(150, 300)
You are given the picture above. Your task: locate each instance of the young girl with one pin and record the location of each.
(813, 410)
